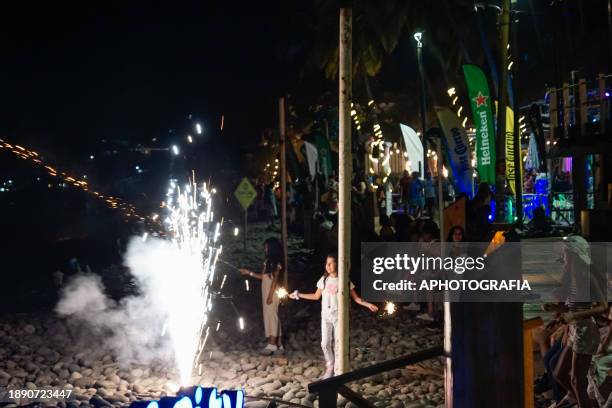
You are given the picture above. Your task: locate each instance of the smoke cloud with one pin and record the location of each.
(135, 327)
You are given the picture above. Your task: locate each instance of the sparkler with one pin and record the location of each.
(281, 293)
(390, 308)
(194, 235)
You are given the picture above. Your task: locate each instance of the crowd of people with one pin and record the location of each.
(576, 344)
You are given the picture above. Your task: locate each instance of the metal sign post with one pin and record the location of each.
(245, 194)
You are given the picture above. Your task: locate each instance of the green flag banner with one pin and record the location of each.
(480, 101)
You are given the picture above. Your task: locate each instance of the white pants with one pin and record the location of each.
(329, 339)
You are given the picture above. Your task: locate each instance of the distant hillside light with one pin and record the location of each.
(175, 150)
(198, 129)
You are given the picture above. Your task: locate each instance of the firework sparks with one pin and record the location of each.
(194, 235)
(281, 293)
(390, 308)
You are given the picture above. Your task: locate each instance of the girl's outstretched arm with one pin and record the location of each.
(360, 301)
(310, 296)
(247, 272)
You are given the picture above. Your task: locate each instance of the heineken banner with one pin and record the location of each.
(480, 100)
(458, 149)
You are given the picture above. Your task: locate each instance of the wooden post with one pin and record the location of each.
(283, 172)
(554, 111)
(518, 163)
(528, 326)
(566, 109)
(344, 204)
(582, 108)
(244, 236)
(440, 180)
(500, 160)
(483, 345)
(603, 103)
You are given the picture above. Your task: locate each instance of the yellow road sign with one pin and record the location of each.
(245, 193)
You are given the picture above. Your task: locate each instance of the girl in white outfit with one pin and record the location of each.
(327, 288)
(270, 277)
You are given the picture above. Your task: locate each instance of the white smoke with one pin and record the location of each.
(174, 278)
(132, 328)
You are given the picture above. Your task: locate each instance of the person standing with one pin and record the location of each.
(417, 195)
(430, 194)
(405, 191)
(327, 288)
(271, 275)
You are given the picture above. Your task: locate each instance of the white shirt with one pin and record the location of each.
(329, 286)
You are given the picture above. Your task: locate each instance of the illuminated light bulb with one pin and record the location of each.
(198, 129)
(175, 150)
(371, 102)
(189, 139)
(236, 231)
(451, 91)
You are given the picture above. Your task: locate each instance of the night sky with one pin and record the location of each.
(75, 74)
(72, 75)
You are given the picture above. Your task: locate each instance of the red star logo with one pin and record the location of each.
(480, 100)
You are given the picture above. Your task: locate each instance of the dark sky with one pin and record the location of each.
(74, 74)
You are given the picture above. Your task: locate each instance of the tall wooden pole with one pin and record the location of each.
(344, 182)
(440, 190)
(500, 179)
(283, 172)
(518, 163)
(423, 171)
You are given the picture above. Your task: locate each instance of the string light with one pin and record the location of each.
(113, 202)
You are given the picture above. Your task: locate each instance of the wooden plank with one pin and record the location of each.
(364, 372)
(328, 397)
(532, 323)
(355, 398)
(528, 368)
(529, 377)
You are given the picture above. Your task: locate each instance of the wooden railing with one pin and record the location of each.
(329, 388)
